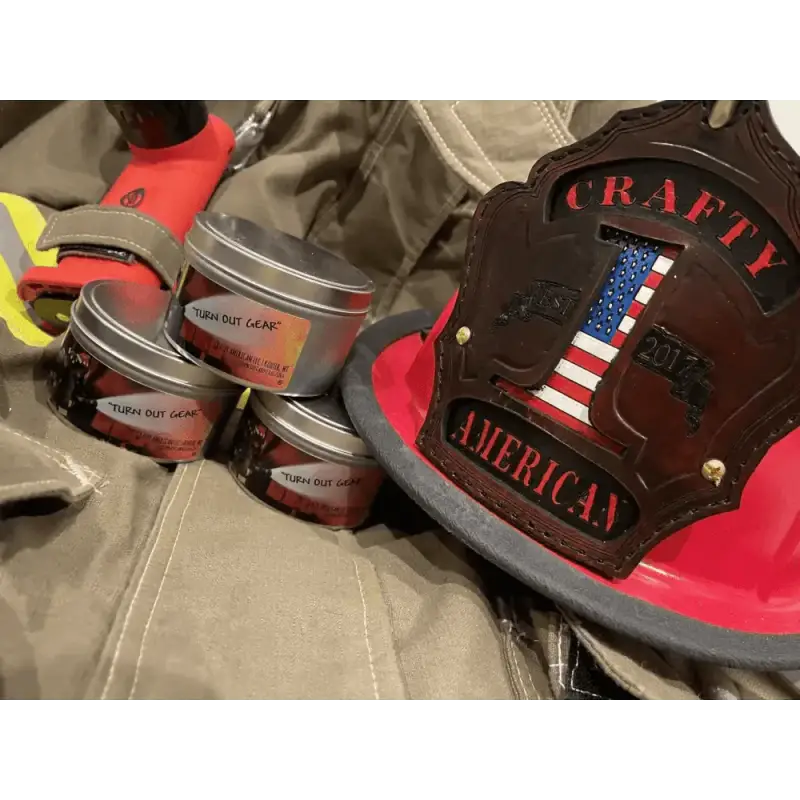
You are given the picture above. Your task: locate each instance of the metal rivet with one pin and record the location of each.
(721, 113)
(463, 334)
(714, 471)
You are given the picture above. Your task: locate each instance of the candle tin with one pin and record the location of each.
(265, 309)
(303, 457)
(116, 378)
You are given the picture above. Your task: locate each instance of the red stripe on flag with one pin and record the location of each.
(512, 390)
(653, 279)
(570, 422)
(671, 252)
(586, 360)
(526, 398)
(570, 388)
(636, 309)
(618, 339)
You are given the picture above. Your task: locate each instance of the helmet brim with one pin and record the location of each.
(378, 400)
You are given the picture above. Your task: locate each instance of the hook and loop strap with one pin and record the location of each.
(118, 228)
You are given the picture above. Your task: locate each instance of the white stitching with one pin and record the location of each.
(366, 632)
(564, 109)
(138, 588)
(550, 123)
(572, 677)
(485, 186)
(513, 648)
(64, 460)
(50, 239)
(518, 638)
(562, 665)
(161, 585)
(466, 130)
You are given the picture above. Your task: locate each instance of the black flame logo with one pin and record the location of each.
(132, 199)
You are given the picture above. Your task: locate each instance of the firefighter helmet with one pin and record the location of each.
(608, 408)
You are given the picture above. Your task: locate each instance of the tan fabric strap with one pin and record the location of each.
(123, 228)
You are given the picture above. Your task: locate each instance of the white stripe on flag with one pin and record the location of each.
(644, 295)
(595, 346)
(602, 350)
(564, 403)
(662, 265)
(578, 374)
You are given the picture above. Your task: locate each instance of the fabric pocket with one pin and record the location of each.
(32, 471)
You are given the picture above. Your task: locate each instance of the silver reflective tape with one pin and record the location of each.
(12, 247)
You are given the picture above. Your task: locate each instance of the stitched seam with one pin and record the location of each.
(530, 676)
(50, 239)
(466, 130)
(387, 600)
(513, 649)
(383, 136)
(564, 109)
(564, 666)
(520, 640)
(366, 632)
(125, 623)
(63, 460)
(626, 683)
(485, 186)
(550, 123)
(161, 585)
(390, 123)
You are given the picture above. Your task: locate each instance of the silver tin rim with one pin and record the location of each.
(263, 263)
(99, 325)
(308, 425)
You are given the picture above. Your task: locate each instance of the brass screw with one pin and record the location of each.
(721, 113)
(714, 471)
(463, 334)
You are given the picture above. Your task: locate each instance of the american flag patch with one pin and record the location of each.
(567, 394)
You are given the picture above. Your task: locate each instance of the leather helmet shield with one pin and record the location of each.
(624, 348)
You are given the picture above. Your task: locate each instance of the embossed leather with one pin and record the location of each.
(727, 314)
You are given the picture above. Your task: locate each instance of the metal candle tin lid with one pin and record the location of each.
(262, 262)
(319, 426)
(121, 324)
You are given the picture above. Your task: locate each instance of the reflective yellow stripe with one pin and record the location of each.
(29, 223)
(14, 313)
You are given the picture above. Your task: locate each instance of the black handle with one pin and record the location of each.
(153, 124)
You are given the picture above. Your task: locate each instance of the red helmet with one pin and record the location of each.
(608, 408)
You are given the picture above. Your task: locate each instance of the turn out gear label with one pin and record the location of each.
(333, 485)
(291, 481)
(163, 414)
(105, 404)
(21, 225)
(238, 336)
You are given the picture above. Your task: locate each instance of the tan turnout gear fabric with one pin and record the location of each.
(121, 579)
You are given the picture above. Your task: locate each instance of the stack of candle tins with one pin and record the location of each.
(159, 372)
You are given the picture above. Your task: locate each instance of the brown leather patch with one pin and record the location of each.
(633, 313)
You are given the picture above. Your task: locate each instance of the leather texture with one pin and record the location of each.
(729, 308)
